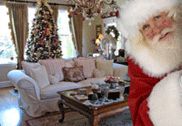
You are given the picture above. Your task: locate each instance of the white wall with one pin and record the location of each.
(89, 33)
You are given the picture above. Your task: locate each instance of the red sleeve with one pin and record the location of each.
(140, 88)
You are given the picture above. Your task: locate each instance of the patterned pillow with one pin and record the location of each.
(73, 74)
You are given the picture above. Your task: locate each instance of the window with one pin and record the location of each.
(7, 49)
(112, 21)
(65, 35)
(118, 44)
(31, 16)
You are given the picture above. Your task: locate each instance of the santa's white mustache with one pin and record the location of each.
(163, 33)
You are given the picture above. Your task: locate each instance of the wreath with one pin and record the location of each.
(113, 29)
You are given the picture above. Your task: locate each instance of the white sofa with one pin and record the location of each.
(37, 99)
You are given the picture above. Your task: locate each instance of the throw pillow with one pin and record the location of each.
(54, 69)
(53, 79)
(73, 74)
(69, 63)
(105, 66)
(40, 75)
(88, 66)
(27, 66)
(98, 73)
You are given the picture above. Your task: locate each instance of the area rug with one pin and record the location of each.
(76, 119)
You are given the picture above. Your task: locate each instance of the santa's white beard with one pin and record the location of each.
(157, 58)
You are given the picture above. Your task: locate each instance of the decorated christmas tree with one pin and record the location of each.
(43, 42)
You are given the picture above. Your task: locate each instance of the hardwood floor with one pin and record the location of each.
(10, 113)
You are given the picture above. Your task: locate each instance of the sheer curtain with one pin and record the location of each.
(19, 28)
(65, 34)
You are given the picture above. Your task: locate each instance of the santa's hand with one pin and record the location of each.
(165, 101)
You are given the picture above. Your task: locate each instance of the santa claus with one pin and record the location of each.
(154, 47)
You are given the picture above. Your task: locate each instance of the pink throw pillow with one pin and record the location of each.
(73, 74)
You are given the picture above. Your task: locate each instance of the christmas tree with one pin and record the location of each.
(43, 42)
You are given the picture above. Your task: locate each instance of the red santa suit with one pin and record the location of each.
(141, 86)
(141, 91)
(155, 97)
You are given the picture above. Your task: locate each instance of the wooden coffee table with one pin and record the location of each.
(93, 113)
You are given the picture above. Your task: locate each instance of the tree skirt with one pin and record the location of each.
(76, 119)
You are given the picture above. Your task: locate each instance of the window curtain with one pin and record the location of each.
(77, 29)
(18, 14)
(55, 12)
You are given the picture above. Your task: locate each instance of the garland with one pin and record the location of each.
(114, 30)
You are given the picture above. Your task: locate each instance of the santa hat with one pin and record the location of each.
(136, 12)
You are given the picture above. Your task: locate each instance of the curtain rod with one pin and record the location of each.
(34, 2)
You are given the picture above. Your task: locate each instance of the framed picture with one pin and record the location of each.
(98, 30)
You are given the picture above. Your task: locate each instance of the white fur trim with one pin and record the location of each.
(165, 101)
(136, 12)
(154, 64)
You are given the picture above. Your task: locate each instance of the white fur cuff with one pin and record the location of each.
(165, 101)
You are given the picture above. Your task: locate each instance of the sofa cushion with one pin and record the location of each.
(73, 74)
(54, 78)
(27, 66)
(88, 66)
(105, 66)
(51, 90)
(54, 69)
(40, 75)
(98, 73)
(120, 71)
